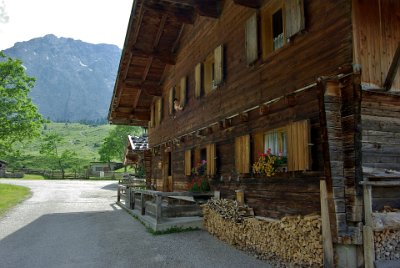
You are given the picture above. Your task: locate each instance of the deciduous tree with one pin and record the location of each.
(114, 144)
(19, 117)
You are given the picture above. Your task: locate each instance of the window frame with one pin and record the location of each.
(209, 74)
(194, 156)
(298, 138)
(267, 13)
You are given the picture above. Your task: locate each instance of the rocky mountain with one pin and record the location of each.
(74, 79)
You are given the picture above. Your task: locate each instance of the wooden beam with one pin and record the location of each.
(136, 101)
(160, 31)
(249, 3)
(209, 8)
(326, 227)
(182, 2)
(392, 69)
(133, 115)
(184, 14)
(151, 88)
(139, 83)
(164, 56)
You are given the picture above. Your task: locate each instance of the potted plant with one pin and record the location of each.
(199, 182)
(269, 164)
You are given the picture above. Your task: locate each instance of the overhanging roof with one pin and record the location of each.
(151, 43)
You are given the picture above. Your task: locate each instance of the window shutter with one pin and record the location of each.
(211, 159)
(251, 39)
(298, 138)
(218, 65)
(258, 145)
(242, 154)
(295, 21)
(182, 98)
(197, 78)
(159, 111)
(188, 164)
(152, 115)
(246, 154)
(197, 157)
(171, 101)
(266, 30)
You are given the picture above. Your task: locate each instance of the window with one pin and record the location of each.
(280, 20)
(272, 27)
(194, 157)
(275, 141)
(179, 93)
(277, 30)
(209, 83)
(209, 74)
(291, 141)
(242, 154)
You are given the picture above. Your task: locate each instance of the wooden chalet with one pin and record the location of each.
(316, 81)
(135, 149)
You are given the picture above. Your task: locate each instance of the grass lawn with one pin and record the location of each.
(32, 177)
(11, 195)
(28, 177)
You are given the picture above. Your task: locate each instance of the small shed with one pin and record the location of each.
(135, 149)
(138, 153)
(96, 167)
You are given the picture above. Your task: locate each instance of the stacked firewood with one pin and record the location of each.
(292, 240)
(230, 209)
(390, 209)
(387, 245)
(387, 241)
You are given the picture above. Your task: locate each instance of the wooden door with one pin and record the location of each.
(168, 184)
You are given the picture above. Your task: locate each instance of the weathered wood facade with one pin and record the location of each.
(324, 73)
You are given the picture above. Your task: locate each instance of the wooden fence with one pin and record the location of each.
(77, 175)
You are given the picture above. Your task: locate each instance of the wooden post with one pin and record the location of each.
(392, 69)
(158, 208)
(119, 194)
(132, 199)
(326, 227)
(368, 234)
(142, 203)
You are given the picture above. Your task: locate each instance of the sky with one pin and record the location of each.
(92, 21)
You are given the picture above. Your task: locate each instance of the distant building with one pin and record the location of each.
(96, 167)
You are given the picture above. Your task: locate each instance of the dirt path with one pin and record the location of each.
(77, 224)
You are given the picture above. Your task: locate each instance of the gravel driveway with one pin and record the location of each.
(77, 224)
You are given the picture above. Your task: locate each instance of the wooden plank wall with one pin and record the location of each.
(376, 36)
(277, 197)
(385, 196)
(293, 193)
(380, 115)
(325, 46)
